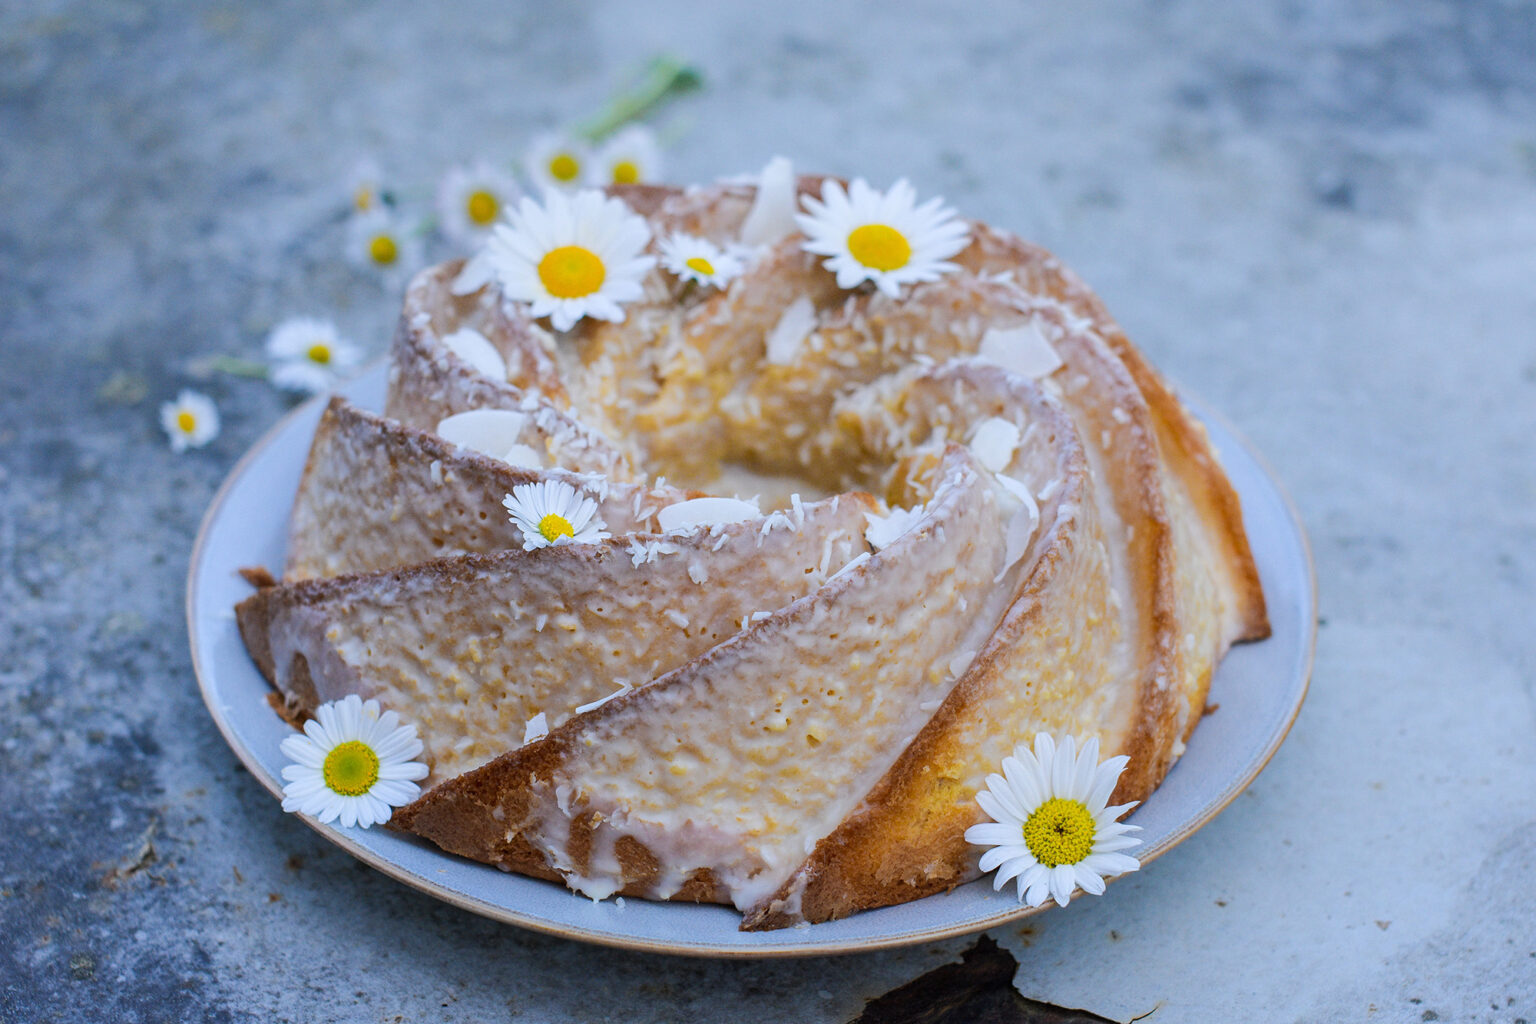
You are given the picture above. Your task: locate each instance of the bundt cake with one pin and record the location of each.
(857, 540)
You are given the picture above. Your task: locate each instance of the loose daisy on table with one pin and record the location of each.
(365, 186)
(469, 199)
(191, 421)
(571, 256)
(700, 260)
(352, 763)
(378, 241)
(557, 162)
(1051, 829)
(553, 512)
(309, 355)
(881, 237)
(631, 157)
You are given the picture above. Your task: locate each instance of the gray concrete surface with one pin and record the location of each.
(1319, 216)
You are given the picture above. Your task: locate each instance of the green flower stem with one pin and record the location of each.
(664, 77)
(235, 367)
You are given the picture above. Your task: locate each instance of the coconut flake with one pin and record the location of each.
(959, 663)
(994, 443)
(1021, 527)
(536, 729)
(477, 273)
(883, 531)
(476, 350)
(523, 456)
(491, 432)
(705, 512)
(854, 563)
(789, 334)
(621, 691)
(772, 215)
(1022, 350)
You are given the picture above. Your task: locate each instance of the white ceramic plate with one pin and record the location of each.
(1260, 688)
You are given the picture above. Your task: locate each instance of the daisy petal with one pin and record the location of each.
(992, 834)
(1088, 880)
(1062, 883)
(1038, 881)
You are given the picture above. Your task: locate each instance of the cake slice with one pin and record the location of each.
(377, 494)
(715, 780)
(479, 645)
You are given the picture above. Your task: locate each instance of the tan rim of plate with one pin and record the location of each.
(904, 938)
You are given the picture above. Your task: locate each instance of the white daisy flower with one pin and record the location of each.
(309, 355)
(352, 763)
(557, 162)
(377, 241)
(191, 421)
(554, 512)
(881, 237)
(698, 259)
(574, 256)
(1051, 828)
(365, 186)
(631, 157)
(469, 200)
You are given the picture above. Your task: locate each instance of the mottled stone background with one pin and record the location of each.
(1320, 216)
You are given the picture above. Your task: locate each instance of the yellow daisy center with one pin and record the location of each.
(363, 197)
(625, 172)
(879, 246)
(1059, 832)
(553, 527)
(701, 265)
(186, 422)
(383, 250)
(571, 271)
(320, 353)
(482, 207)
(351, 768)
(564, 167)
